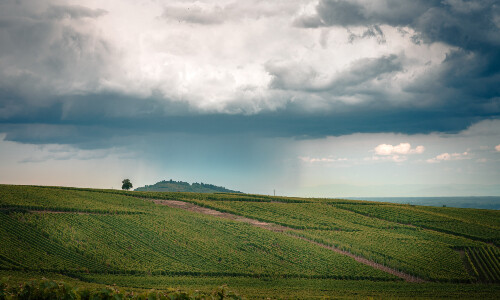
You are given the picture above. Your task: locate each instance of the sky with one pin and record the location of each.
(326, 98)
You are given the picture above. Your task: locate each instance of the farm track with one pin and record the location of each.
(208, 211)
(283, 229)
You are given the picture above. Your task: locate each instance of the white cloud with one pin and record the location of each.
(395, 153)
(448, 157)
(308, 159)
(218, 13)
(402, 148)
(419, 149)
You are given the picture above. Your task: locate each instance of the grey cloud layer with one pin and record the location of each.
(42, 57)
(359, 72)
(466, 79)
(73, 11)
(355, 13)
(470, 25)
(56, 69)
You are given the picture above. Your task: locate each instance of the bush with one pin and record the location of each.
(47, 289)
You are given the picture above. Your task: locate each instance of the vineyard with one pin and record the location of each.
(108, 236)
(475, 228)
(424, 253)
(484, 262)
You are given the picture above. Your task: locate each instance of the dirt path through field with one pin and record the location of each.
(278, 228)
(213, 212)
(406, 277)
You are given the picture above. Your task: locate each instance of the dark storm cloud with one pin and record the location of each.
(359, 72)
(464, 89)
(355, 13)
(373, 31)
(470, 25)
(467, 80)
(92, 123)
(41, 55)
(364, 70)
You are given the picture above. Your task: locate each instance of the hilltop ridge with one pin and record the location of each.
(182, 186)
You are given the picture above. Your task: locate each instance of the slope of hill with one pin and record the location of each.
(181, 186)
(260, 246)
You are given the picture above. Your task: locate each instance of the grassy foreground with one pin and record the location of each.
(93, 238)
(253, 288)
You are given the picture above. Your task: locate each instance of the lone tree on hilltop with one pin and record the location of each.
(127, 185)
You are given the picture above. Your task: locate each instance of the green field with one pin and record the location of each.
(93, 238)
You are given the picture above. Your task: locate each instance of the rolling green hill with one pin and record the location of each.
(181, 186)
(260, 246)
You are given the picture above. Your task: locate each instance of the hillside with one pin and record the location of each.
(181, 186)
(260, 246)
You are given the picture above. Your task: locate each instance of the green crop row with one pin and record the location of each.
(422, 253)
(301, 215)
(485, 262)
(413, 255)
(464, 226)
(40, 198)
(167, 240)
(27, 247)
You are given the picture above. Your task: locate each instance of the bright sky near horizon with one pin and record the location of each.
(311, 98)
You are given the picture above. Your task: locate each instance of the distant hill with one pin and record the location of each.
(181, 186)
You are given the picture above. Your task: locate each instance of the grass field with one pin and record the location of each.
(94, 238)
